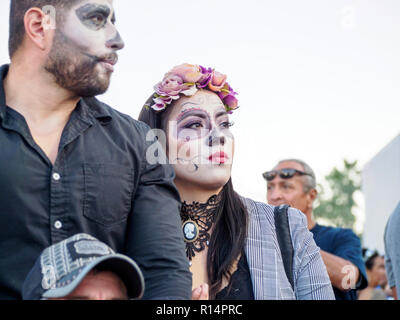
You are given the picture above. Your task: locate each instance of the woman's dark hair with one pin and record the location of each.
(228, 238)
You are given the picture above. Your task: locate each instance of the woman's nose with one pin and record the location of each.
(216, 139)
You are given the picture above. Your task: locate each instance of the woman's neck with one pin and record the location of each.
(192, 193)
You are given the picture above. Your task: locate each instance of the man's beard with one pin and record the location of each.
(75, 70)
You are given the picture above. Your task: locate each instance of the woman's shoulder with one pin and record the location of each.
(297, 218)
(256, 209)
(257, 205)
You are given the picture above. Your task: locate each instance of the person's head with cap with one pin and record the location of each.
(82, 267)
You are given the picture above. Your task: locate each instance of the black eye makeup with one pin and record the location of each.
(196, 123)
(193, 124)
(94, 16)
(222, 120)
(226, 124)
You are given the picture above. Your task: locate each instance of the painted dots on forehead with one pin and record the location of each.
(210, 100)
(203, 103)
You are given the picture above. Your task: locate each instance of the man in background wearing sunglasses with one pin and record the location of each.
(293, 182)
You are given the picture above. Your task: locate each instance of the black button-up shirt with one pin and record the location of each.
(100, 184)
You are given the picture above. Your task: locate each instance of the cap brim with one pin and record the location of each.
(127, 270)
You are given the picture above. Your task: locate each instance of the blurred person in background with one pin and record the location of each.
(392, 250)
(293, 182)
(376, 273)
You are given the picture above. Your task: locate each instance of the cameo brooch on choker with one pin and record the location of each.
(197, 220)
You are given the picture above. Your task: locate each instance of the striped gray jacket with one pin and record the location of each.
(311, 280)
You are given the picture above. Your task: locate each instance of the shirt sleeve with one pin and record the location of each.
(311, 277)
(348, 246)
(389, 271)
(155, 239)
(388, 258)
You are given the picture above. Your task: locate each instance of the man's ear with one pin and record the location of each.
(313, 193)
(37, 23)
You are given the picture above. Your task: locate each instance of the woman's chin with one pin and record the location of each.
(213, 184)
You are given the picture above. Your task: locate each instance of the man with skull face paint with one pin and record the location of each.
(71, 164)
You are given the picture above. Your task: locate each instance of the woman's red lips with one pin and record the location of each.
(218, 157)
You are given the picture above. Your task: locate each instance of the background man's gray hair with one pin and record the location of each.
(310, 180)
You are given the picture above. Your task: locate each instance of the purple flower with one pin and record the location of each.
(207, 75)
(227, 95)
(231, 102)
(186, 79)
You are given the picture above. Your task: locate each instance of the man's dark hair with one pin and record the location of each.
(369, 257)
(18, 8)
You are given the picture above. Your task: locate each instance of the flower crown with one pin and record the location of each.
(187, 79)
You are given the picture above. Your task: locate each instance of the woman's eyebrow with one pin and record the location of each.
(192, 112)
(221, 113)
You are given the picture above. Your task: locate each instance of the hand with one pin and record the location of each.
(200, 293)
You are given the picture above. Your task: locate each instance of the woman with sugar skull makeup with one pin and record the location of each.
(234, 253)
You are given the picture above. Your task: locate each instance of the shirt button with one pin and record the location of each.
(58, 225)
(56, 176)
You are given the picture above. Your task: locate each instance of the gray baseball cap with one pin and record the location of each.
(61, 268)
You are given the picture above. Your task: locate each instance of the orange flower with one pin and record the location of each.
(217, 82)
(188, 72)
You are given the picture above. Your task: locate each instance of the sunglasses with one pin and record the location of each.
(285, 173)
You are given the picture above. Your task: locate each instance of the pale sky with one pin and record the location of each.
(317, 79)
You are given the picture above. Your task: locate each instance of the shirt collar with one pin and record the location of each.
(93, 108)
(315, 228)
(88, 109)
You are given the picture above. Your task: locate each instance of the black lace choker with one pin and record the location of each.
(197, 220)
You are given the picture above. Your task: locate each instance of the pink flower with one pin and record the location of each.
(188, 72)
(186, 79)
(171, 86)
(217, 82)
(160, 103)
(230, 102)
